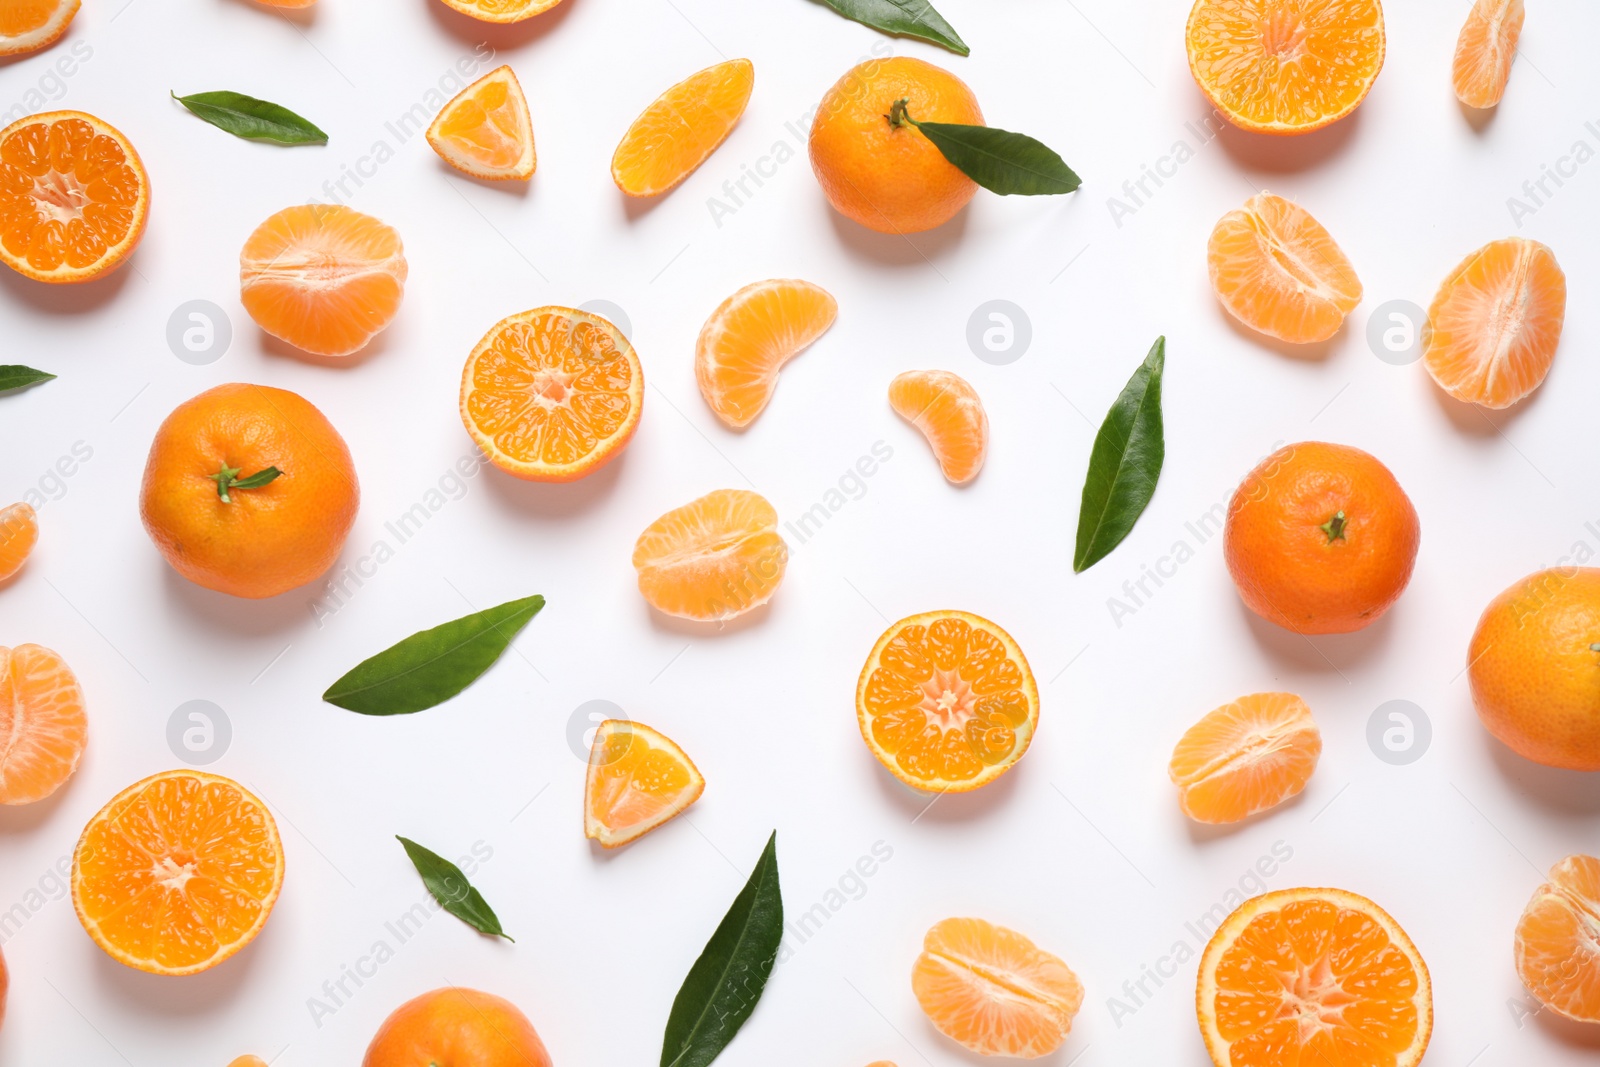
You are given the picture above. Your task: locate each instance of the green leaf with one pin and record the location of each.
(906, 18)
(452, 890)
(252, 119)
(430, 667)
(726, 981)
(1000, 161)
(1124, 464)
(16, 376)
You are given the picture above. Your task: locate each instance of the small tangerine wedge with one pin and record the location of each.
(552, 394)
(1494, 326)
(638, 779)
(1245, 757)
(1277, 270)
(681, 128)
(29, 25)
(993, 990)
(322, 277)
(456, 1027)
(1313, 976)
(74, 197)
(946, 701)
(19, 532)
(1285, 66)
(1485, 50)
(485, 130)
(43, 726)
(1558, 940)
(501, 11)
(948, 412)
(748, 339)
(713, 559)
(178, 872)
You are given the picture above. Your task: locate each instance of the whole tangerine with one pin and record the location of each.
(883, 173)
(249, 490)
(1320, 538)
(456, 1027)
(1534, 667)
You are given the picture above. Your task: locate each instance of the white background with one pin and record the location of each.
(1082, 847)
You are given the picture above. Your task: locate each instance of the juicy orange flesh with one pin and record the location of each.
(178, 873)
(488, 126)
(551, 390)
(1496, 322)
(18, 17)
(945, 701)
(1485, 51)
(750, 337)
(681, 128)
(1558, 940)
(502, 10)
(636, 782)
(324, 279)
(1277, 270)
(1315, 983)
(68, 194)
(43, 727)
(714, 558)
(948, 412)
(1245, 757)
(1286, 63)
(19, 532)
(993, 990)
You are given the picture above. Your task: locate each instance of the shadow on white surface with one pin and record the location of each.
(273, 346)
(175, 998)
(473, 31)
(1320, 652)
(690, 628)
(1315, 352)
(895, 249)
(26, 818)
(635, 208)
(943, 807)
(1476, 421)
(239, 615)
(1272, 154)
(1568, 792)
(67, 299)
(554, 500)
(1568, 1031)
(1478, 120)
(304, 17)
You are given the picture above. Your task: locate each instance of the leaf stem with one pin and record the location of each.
(1334, 527)
(228, 479)
(898, 116)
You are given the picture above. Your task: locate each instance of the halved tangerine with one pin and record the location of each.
(1313, 976)
(552, 394)
(948, 412)
(946, 701)
(1558, 940)
(1244, 757)
(74, 197)
(1485, 51)
(681, 128)
(748, 339)
(43, 726)
(638, 779)
(19, 532)
(178, 872)
(485, 130)
(29, 25)
(1277, 270)
(713, 559)
(502, 10)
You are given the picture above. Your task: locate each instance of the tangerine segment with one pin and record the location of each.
(681, 129)
(178, 872)
(1245, 757)
(995, 991)
(43, 727)
(1313, 976)
(19, 532)
(29, 25)
(1495, 324)
(1558, 940)
(1285, 66)
(1277, 270)
(73, 197)
(948, 412)
(714, 558)
(638, 779)
(1485, 50)
(552, 394)
(749, 338)
(502, 10)
(946, 701)
(485, 130)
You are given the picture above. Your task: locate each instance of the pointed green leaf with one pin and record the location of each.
(905, 18)
(258, 479)
(1124, 464)
(726, 981)
(451, 889)
(252, 119)
(430, 667)
(15, 376)
(1000, 161)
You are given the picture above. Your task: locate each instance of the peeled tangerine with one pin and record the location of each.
(715, 558)
(948, 412)
(993, 990)
(485, 130)
(749, 338)
(19, 531)
(1245, 757)
(638, 779)
(1492, 332)
(1276, 270)
(1558, 940)
(1485, 50)
(43, 727)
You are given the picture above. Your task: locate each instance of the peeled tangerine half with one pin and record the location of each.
(1485, 50)
(681, 129)
(1495, 324)
(714, 558)
(1558, 940)
(948, 412)
(994, 991)
(638, 779)
(322, 277)
(43, 727)
(1276, 270)
(485, 131)
(1245, 757)
(19, 532)
(749, 338)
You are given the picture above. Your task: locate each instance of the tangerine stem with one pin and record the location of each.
(228, 478)
(898, 115)
(1334, 527)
